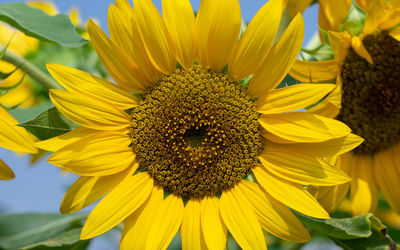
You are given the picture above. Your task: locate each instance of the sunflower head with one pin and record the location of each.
(373, 90)
(206, 144)
(196, 132)
(366, 98)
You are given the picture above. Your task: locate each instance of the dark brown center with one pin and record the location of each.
(371, 93)
(196, 132)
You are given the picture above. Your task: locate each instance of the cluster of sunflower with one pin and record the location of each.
(196, 130)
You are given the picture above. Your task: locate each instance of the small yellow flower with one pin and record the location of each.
(21, 45)
(367, 99)
(24, 96)
(186, 150)
(14, 138)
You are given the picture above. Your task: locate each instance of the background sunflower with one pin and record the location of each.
(365, 66)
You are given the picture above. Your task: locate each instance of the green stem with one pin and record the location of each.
(31, 69)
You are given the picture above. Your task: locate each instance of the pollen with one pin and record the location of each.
(371, 93)
(196, 132)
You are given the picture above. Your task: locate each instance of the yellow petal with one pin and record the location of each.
(292, 98)
(219, 25)
(58, 142)
(295, 6)
(330, 106)
(124, 31)
(75, 16)
(302, 169)
(122, 201)
(166, 223)
(290, 194)
(332, 13)
(389, 217)
(34, 158)
(137, 225)
(395, 3)
(63, 155)
(47, 7)
(395, 34)
(313, 71)
(212, 226)
(192, 237)
(273, 215)
(97, 161)
(326, 109)
(304, 127)
(21, 96)
(331, 197)
(81, 82)
(256, 40)
(5, 171)
(364, 4)
(88, 189)
(125, 7)
(92, 156)
(120, 28)
(89, 111)
(391, 20)
(121, 68)
(13, 137)
(279, 59)
(340, 43)
(328, 149)
(375, 16)
(241, 220)
(21, 44)
(155, 36)
(359, 48)
(181, 24)
(364, 189)
(387, 175)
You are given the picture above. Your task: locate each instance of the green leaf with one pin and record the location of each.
(36, 23)
(354, 22)
(5, 90)
(20, 230)
(287, 81)
(49, 124)
(324, 34)
(65, 241)
(360, 232)
(246, 81)
(4, 75)
(4, 49)
(321, 53)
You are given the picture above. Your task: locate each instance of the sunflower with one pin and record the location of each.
(13, 138)
(195, 148)
(366, 98)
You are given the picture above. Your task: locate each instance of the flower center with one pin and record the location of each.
(196, 132)
(371, 93)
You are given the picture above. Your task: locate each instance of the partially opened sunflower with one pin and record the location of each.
(194, 148)
(14, 138)
(367, 99)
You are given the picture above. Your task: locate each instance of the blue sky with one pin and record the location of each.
(40, 188)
